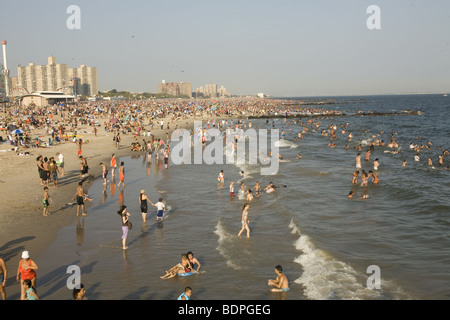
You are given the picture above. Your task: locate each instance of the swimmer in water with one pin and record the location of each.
(242, 190)
(270, 188)
(376, 164)
(257, 189)
(355, 177)
(281, 283)
(232, 189)
(364, 178)
(350, 195)
(375, 179)
(358, 161)
(249, 195)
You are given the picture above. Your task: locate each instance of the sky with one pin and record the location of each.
(281, 48)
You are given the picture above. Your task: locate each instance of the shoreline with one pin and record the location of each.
(23, 226)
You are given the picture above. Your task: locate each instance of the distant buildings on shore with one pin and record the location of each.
(81, 81)
(210, 90)
(175, 89)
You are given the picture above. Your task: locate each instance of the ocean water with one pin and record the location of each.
(325, 242)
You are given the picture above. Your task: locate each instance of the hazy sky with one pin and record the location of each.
(281, 48)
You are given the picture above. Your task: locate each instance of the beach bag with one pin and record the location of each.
(130, 225)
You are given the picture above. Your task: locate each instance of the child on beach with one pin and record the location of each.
(161, 209)
(46, 202)
(30, 291)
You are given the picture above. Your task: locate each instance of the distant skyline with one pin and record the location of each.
(280, 48)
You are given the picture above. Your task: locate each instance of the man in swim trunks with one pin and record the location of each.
(80, 194)
(281, 283)
(166, 157)
(84, 168)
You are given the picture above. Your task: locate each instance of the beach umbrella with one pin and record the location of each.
(114, 120)
(17, 131)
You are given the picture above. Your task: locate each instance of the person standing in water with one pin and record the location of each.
(80, 195)
(232, 189)
(358, 161)
(244, 220)
(376, 164)
(143, 204)
(221, 178)
(121, 175)
(113, 165)
(125, 219)
(161, 208)
(104, 173)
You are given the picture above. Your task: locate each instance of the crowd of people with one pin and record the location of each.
(139, 118)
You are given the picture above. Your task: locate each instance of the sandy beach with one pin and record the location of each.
(22, 224)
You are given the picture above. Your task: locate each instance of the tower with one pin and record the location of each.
(6, 71)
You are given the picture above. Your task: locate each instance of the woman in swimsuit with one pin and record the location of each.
(143, 203)
(183, 267)
(244, 220)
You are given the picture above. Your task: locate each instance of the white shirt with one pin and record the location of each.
(160, 206)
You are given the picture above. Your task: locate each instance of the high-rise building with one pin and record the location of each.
(175, 88)
(85, 79)
(58, 77)
(210, 90)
